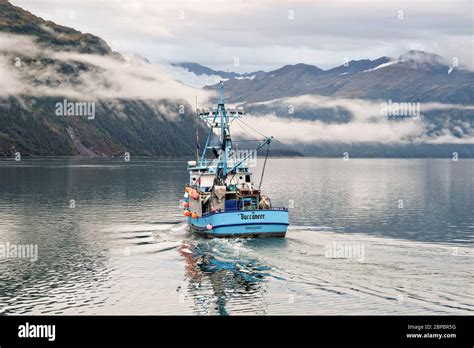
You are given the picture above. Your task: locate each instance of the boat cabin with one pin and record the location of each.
(203, 178)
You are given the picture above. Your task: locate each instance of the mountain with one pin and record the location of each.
(44, 65)
(356, 66)
(413, 77)
(205, 72)
(15, 20)
(199, 70)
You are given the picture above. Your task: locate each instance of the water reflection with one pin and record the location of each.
(221, 280)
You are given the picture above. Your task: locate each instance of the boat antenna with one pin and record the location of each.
(221, 87)
(264, 165)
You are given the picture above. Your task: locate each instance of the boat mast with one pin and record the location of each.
(197, 132)
(221, 119)
(225, 134)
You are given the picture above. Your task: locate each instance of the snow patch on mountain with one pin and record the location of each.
(383, 65)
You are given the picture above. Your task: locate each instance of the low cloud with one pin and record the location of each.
(291, 131)
(106, 77)
(367, 125)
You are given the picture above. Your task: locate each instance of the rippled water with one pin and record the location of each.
(407, 226)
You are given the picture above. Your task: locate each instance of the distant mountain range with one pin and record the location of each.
(415, 76)
(200, 70)
(445, 92)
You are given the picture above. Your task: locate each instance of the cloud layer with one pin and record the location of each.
(105, 78)
(268, 34)
(367, 125)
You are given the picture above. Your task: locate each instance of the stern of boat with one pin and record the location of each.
(242, 223)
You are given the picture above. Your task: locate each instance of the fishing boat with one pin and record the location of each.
(221, 198)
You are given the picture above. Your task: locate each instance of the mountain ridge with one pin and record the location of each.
(407, 78)
(200, 69)
(16, 20)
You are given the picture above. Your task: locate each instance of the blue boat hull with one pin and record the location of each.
(242, 223)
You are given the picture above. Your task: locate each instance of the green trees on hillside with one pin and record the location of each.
(30, 126)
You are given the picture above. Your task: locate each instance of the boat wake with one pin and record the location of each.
(316, 271)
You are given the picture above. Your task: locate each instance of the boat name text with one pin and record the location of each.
(252, 216)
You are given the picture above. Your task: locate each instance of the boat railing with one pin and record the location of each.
(213, 163)
(230, 210)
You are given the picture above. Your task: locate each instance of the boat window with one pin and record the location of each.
(250, 203)
(247, 178)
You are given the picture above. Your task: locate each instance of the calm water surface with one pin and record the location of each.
(124, 248)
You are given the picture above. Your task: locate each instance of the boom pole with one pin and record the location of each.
(197, 132)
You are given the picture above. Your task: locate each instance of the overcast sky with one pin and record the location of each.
(243, 35)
